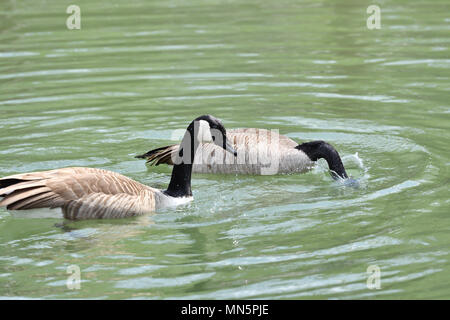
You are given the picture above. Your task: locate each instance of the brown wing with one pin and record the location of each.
(252, 136)
(242, 139)
(248, 143)
(259, 151)
(107, 206)
(80, 192)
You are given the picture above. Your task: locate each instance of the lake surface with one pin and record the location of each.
(137, 70)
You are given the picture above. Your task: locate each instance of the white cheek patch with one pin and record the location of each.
(204, 131)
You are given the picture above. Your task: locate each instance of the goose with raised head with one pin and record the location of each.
(89, 193)
(260, 151)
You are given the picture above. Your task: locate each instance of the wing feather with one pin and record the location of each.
(107, 206)
(81, 192)
(22, 194)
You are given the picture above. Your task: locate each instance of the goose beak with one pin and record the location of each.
(230, 148)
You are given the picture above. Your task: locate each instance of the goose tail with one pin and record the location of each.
(24, 191)
(160, 155)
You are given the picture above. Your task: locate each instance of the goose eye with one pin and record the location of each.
(214, 138)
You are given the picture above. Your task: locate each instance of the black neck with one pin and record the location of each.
(180, 182)
(316, 150)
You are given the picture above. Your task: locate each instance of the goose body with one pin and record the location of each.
(260, 152)
(81, 193)
(89, 193)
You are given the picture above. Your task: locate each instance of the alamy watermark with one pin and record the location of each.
(374, 20)
(74, 280)
(254, 147)
(374, 278)
(73, 22)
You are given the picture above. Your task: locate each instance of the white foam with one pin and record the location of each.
(355, 159)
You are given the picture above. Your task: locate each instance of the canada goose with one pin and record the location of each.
(88, 193)
(260, 151)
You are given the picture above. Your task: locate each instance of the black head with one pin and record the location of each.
(213, 123)
(211, 129)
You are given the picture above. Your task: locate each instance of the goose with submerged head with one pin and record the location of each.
(260, 151)
(89, 193)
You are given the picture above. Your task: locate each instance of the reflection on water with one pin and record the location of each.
(137, 71)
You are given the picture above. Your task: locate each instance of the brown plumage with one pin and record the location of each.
(260, 151)
(81, 193)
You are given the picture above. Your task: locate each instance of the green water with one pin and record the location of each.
(139, 69)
